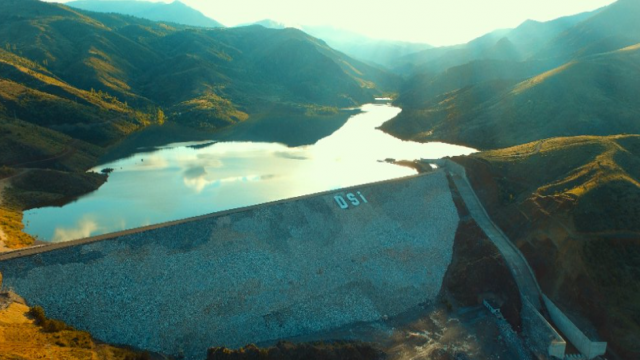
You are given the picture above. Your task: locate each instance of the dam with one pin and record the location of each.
(251, 275)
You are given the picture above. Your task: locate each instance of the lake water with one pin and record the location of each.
(189, 179)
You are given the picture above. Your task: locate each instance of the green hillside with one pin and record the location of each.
(595, 95)
(147, 65)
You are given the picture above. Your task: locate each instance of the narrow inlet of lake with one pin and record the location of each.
(183, 180)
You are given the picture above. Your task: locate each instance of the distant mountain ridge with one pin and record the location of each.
(580, 78)
(518, 44)
(613, 27)
(376, 51)
(596, 95)
(175, 12)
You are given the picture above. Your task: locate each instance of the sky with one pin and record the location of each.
(436, 22)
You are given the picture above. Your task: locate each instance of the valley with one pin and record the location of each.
(134, 131)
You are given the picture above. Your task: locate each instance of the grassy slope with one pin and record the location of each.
(572, 205)
(31, 92)
(420, 90)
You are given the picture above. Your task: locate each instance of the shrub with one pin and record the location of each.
(48, 325)
(38, 315)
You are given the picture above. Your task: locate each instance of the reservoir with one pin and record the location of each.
(183, 180)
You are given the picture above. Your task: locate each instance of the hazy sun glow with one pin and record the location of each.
(434, 22)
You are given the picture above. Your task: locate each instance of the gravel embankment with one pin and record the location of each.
(266, 273)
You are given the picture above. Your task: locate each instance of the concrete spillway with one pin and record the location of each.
(263, 273)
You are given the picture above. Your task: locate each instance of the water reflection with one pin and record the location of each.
(85, 227)
(190, 179)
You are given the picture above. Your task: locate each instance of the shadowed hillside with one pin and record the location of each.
(595, 95)
(421, 89)
(615, 26)
(572, 76)
(572, 206)
(517, 44)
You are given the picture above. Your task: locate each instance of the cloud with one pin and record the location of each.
(196, 178)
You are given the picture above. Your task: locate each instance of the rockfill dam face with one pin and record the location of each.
(258, 274)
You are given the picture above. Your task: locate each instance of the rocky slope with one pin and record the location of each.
(571, 206)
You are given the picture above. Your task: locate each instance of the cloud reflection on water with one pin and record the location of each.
(84, 228)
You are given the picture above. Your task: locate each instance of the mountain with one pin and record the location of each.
(202, 77)
(517, 44)
(382, 52)
(175, 12)
(498, 103)
(572, 207)
(419, 91)
(613, 27)
(375, 51)
(595, 95)
(437, 59)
